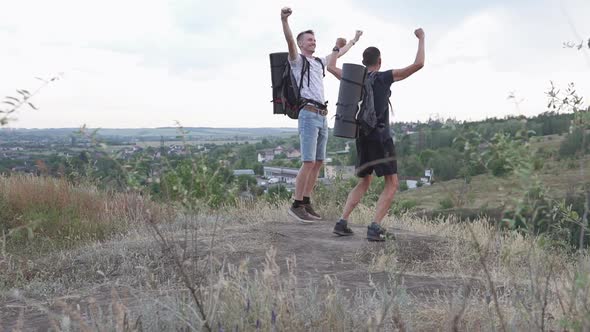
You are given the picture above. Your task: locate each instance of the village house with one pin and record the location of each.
(281, 174)
(266, 155)
(293, 153)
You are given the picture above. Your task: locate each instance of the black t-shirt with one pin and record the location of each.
(381, 94)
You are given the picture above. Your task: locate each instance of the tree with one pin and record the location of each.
(573, 143)
(405, 147)
(246, 183)
(426, 156)
(411, 166)
(277, 194)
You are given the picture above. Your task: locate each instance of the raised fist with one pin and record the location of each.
(419, 33)
(357, 35)
(285, 12)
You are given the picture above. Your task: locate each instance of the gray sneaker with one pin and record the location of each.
(341, 228)
(314, 215)
(376, 233)
(301, 214)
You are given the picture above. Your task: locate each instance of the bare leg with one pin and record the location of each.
(355, 195)
(386, 197)
(312, 178)
(301, 181)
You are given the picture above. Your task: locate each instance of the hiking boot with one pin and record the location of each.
(314, 215)
(342, 229)
(379, 234)
(300, 214)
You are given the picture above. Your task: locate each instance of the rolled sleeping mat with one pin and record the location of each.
(349, 96)
(278, 62)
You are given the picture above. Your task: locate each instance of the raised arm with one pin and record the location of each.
(346, 46)
(285, 13)
(350, 44)
(340, 42)
(400, 74)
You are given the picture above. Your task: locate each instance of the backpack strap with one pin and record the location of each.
(321, 63)
(304, 67)
(350, 81)
(372, 75)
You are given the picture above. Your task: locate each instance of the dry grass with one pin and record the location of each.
(40, 217)
(41, 213)
(506, 281)
(539, 286)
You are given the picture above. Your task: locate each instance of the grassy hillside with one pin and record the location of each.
(492, 192)
(249, 267)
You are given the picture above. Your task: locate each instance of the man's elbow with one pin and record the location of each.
(419, 65)
(335, 71)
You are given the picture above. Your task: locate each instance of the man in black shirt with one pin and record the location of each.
(375, 150)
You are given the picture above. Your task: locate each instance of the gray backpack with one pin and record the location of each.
(367, 117)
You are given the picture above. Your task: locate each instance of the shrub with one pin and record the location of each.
(446, 203)
(403, 185)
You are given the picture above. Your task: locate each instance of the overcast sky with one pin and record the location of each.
(129, 64)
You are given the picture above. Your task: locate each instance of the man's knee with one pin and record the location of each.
(391, 179)
(395, 181)
(318, 164)
(365, 182)
(391, 183)
(308, 164)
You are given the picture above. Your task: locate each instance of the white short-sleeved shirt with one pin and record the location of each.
(315, 89)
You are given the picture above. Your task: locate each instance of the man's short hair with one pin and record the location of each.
(371, 56)
(300, 35)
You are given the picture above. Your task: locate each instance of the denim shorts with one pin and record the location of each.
(313, 135)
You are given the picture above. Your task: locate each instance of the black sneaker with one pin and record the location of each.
(377, 233)
(300, 214)
(314, 215)
(342, 229)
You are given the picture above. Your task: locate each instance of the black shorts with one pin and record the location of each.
(375, 155)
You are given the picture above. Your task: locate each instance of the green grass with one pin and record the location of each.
(549, 142)
(487, 191)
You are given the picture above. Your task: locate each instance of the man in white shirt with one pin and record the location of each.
(313, 125)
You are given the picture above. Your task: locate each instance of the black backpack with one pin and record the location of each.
(286, 91)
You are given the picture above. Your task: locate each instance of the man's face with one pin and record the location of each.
(307, 43)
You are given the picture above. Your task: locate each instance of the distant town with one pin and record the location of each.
(270, 155)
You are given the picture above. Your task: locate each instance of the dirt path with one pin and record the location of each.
(319, 253)
(348, 260)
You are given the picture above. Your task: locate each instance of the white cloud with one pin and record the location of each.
(138, 64)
